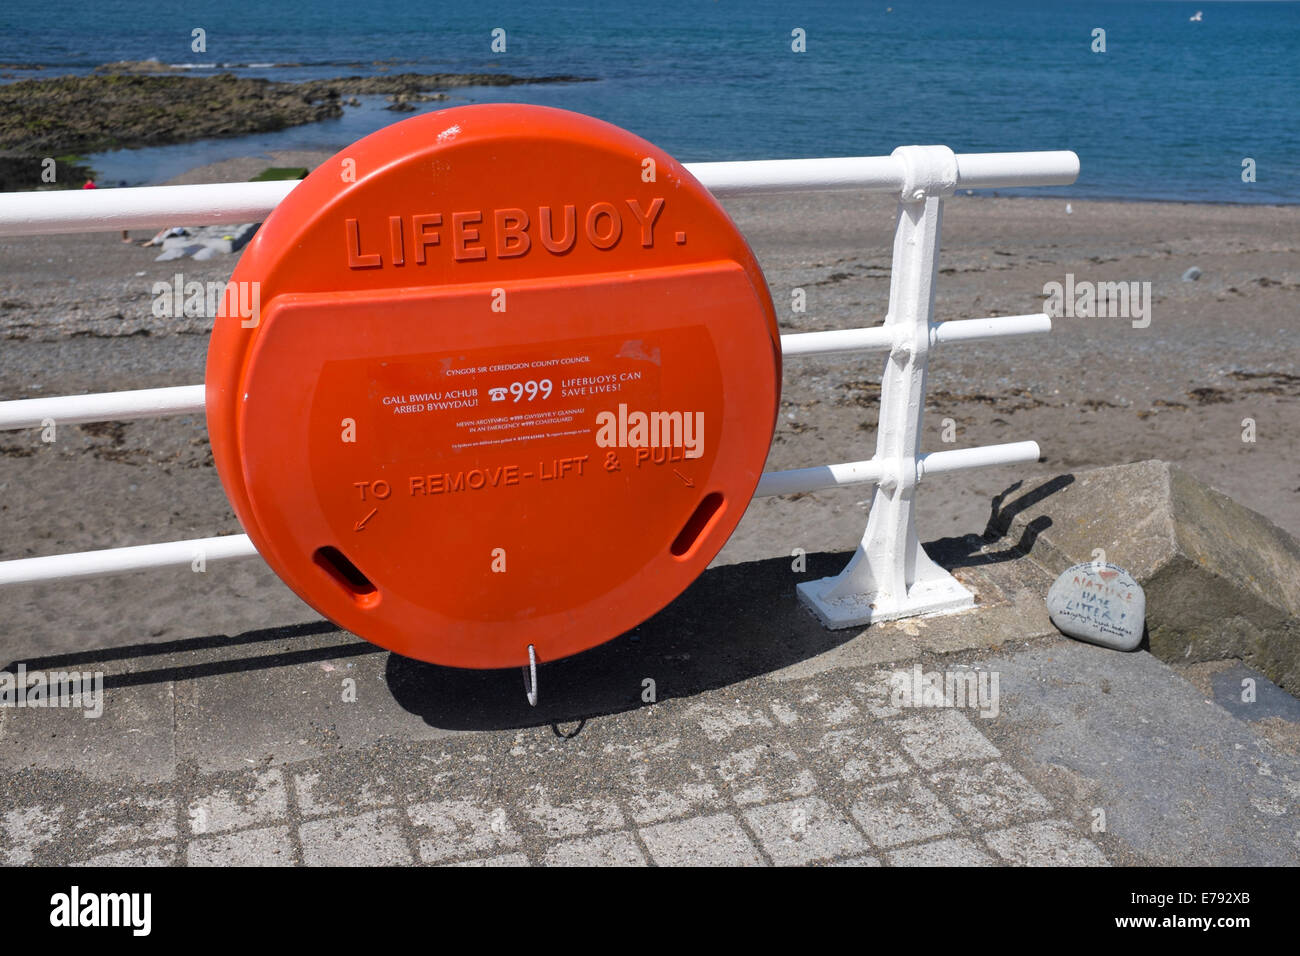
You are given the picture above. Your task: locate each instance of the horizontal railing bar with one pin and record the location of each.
(822, 477)
(178, 400)
(996, 327)
(882, 173)
(171, 554)
(144, 557)
(757, 177)
(101, 406)
(801, 480)
(1058, 167)
(959, 459)
(880, 337)
(837, 341)
(47, 212)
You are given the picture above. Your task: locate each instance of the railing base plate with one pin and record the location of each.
(924, 598)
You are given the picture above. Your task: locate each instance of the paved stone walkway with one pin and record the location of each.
(809, 775)
(731, 728)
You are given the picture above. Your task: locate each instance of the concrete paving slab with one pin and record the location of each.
(991, 795)
(902, 811)
(716, 840)
(270, 846)
(1048, 843)
(804, 831)
(364, 839)
(608, 849)
(132, 738)
(257, 797)
(957, 852)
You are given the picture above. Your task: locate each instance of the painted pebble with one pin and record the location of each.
(1099, 603)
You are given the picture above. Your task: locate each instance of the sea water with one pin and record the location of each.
(1171, 108)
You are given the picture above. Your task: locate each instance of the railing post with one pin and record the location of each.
(891, 576)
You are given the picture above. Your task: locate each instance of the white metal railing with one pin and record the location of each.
(151, 207)
(890, 576)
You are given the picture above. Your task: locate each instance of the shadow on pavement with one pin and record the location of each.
(735, 622)
(178, 658)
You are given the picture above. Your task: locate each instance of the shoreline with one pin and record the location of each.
(80, 166)
(1128, 200)
(227, 171)
(312, 157)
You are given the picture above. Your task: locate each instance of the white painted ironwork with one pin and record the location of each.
(883, 337)
(151, 207)
(178, 400)
(143, 557)
(890, 576)
(101, 407)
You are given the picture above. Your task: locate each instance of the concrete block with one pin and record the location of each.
(1221, 581)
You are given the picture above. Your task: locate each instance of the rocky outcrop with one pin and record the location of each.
(127, 106)
(1221, 581)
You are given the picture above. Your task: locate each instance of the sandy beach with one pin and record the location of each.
(75, 316)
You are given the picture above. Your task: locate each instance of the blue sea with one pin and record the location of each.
(1170, 110)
